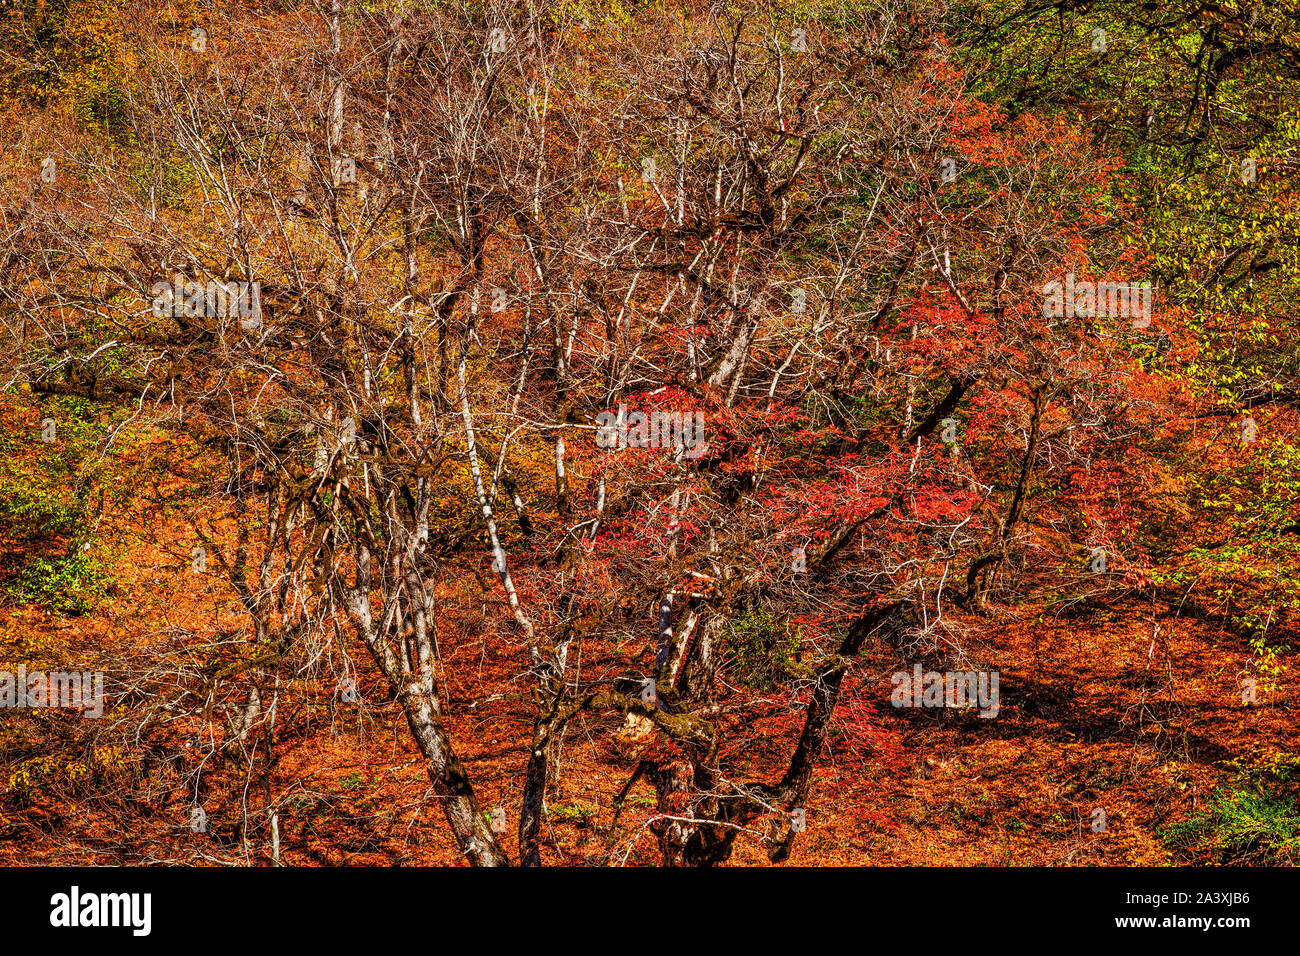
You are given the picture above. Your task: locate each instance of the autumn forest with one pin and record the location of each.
(649, 433)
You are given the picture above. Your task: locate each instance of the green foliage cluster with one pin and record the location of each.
(48, 491)
(72, 585)
(763, 650)
(1254, 821)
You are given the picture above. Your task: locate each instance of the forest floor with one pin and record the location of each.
(1105, 713)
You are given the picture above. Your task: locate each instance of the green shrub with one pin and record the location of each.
(1241, 826)
(69, 585)
(45, 488)
(762, 650)
(32, 508)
